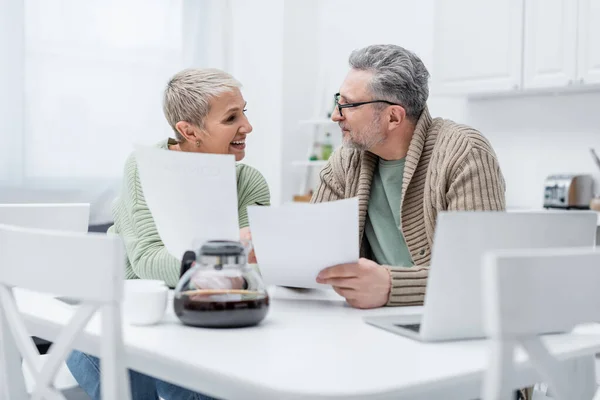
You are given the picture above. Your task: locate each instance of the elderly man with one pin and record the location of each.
(404, 167)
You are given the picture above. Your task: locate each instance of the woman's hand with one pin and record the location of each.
(246, 239)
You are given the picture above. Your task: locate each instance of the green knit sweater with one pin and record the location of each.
(147, 256)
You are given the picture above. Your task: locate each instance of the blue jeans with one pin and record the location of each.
(86, 370)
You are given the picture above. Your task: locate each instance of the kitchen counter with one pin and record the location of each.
(516, 209)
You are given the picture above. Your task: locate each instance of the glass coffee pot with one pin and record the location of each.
(218, 289)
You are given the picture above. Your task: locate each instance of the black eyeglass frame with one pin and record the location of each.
(339, 106)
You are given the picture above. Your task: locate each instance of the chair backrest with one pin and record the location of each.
(73, 217)
(86, 267)
(527, 293)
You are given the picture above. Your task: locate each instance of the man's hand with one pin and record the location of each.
(365, 284)
(246, 239)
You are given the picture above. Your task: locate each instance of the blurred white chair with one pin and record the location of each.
(62, 264)
(72, 217)
(527, 293)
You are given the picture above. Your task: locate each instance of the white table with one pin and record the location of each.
(318, 349)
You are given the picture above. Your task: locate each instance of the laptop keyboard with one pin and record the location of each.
(412, 327)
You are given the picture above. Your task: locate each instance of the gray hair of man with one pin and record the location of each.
(188, 94)
(399, 76)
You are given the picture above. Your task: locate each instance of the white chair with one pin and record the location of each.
(85, 267)
(527, 293)
(73, 217)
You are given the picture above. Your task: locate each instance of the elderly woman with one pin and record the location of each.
(206, 110)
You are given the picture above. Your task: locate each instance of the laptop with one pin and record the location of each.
(452, 308)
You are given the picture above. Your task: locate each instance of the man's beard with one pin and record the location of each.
(367, 140)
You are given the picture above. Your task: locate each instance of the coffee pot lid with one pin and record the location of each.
(222, 252)
(221, 248)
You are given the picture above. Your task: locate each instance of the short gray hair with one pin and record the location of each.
(188, 94)
(399, 76)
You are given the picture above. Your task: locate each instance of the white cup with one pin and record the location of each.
(137, 284)
(145, 301)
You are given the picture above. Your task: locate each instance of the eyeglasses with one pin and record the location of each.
(350, 105)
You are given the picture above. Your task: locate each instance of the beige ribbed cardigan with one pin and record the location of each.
(448, 167)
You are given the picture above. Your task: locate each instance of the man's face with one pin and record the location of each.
(361, 126)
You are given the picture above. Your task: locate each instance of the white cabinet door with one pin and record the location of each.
(477, 46)
(589, 41)
(550, 43)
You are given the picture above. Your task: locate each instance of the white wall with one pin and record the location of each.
(257, 59)
(274, 55)
(538, 136)
(12, 67)
(301, 66)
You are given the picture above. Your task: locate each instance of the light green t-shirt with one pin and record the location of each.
(383, 226)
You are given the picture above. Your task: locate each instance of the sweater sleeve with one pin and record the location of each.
(145, 250)
(408, 285)
(252, 190)
(330, 187)
(476, 185)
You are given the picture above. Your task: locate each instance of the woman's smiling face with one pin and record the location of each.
(224, 129)
(226, 125)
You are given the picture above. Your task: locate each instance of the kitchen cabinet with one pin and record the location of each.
(589, 42)
(550, 53)
(478, 46)
(501, 47)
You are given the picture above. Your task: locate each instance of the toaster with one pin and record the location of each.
(568, 191)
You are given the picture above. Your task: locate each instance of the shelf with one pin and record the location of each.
(308, 163)
(302, 198)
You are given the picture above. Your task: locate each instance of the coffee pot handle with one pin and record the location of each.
(188, 260)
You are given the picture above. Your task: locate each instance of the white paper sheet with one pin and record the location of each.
(192, 196)
(294, 242)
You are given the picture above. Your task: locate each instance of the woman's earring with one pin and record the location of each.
(198, 143)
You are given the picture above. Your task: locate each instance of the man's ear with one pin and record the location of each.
(397, 116)
(186, 130)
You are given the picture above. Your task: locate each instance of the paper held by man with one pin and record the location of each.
(193, 199)
(294, 242)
